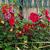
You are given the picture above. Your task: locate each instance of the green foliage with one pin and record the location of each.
(8, 38)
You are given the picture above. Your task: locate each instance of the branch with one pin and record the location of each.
(45, 46)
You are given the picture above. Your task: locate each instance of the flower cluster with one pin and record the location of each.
(8, 14)
(34, 17)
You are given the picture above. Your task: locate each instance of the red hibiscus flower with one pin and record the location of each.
(34, 17)
(11, 21)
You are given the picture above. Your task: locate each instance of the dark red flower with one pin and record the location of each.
(26, 27)
(12, 14)
(33, 25)
(34, 17)
(42, 25)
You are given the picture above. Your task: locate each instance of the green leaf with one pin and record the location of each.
(25, 20)
(16, 25)
(24, 38)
